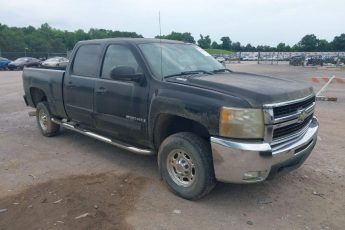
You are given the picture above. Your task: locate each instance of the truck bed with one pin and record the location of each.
(50, 82)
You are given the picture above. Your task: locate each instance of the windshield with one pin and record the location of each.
(166, 59)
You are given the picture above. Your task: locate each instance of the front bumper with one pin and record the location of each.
(249, 162)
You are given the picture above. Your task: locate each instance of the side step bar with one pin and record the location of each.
(118, 144)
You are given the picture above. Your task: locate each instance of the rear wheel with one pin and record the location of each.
(43, 116)
(186, 165)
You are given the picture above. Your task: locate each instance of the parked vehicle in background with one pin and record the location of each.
(234, 57)
(4, 63)
(55, 62)
(20, 63)
(314, 60)
(297, 60)
(341, 60)
(220, 59)
(330, 59)
(250, 58)
(205, 122)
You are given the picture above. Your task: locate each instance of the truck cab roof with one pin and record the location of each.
(130, 40)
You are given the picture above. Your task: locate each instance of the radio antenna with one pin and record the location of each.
(159, 21)
(160, 41)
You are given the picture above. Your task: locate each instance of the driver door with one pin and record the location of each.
(120, 106)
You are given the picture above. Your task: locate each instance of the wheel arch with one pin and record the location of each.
(37, 95)
(168, 124)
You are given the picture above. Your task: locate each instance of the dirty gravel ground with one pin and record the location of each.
(102, 199)
(120, 190)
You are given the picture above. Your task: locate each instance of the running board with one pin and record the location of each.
(118, 144)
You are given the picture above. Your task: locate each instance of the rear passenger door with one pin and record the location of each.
(80, 81)
(121, 106)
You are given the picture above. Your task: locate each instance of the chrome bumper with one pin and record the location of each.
(249, 162)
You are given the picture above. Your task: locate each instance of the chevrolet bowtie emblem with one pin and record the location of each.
(302, 115)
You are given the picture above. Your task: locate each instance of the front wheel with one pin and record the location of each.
(43, 116)
(186, 165)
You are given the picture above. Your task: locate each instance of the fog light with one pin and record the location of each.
(254, 176)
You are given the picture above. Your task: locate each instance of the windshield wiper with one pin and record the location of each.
(189, 73)
(221, 70)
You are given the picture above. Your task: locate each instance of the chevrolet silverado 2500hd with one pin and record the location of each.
(205, 122)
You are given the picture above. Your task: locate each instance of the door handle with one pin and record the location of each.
(101, 90)
(70, 85)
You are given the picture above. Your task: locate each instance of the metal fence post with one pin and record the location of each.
(259, 57)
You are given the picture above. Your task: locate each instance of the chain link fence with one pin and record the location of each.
(284, 57)
(236, 57)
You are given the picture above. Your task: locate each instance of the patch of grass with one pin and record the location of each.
(219, 51)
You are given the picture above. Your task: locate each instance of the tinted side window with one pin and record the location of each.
(118, 55)
(86, 60)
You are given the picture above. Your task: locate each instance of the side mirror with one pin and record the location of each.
(125, 73)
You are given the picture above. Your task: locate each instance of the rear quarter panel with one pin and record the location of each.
(50, 82)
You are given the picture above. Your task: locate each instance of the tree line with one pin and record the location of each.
(308, 43)
(48, 39)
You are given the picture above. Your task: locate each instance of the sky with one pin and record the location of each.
(258, 22)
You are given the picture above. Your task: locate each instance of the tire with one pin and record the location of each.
(43, 117)
(191, 154)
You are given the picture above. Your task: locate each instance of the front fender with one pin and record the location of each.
(199, 105)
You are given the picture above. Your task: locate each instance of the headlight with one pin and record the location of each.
(241, 123)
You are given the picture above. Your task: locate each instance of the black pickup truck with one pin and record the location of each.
(205, 122)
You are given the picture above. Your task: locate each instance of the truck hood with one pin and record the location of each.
(257, 90)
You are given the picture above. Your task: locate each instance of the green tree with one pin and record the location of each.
(287, 48)
(266, 48)
(308, 43)
(338, 43)
(236, 46)
(45, 39)
(295, 48)
(281, 47)
(204, 42)
(215, 45)
(185, 37)
(249, 48)
(323, 45)
(226, 43)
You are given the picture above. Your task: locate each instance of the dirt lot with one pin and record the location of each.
(102, 199)
(74, 182)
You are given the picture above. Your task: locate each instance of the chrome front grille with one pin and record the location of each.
(290, 129)
(285, 110)
(288, 120)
